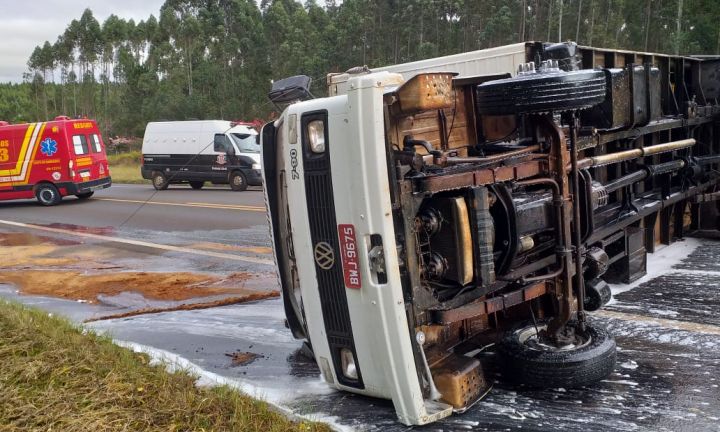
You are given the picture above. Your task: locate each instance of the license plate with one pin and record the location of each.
(84, 174)
(349, 256)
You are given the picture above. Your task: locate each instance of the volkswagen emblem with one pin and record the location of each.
(324, 255)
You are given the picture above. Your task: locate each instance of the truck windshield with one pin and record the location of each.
(245, 142)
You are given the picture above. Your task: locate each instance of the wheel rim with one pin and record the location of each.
(47, 196)
(531, 337)
(238, 180)
(159, 181)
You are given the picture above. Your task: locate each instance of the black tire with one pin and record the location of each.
(197, 184)
(588, 363)
(86, 195)
(159, 181)
(238, 182)
(542, 92)
(47, 194)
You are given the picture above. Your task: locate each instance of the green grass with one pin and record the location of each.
(125, 167)
(55, 378)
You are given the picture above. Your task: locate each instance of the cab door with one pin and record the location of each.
(224, 155)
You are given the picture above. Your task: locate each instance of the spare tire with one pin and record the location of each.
(526, 360)
(542, 92)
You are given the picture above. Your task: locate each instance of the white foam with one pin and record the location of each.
(660, 263)
(274, 397)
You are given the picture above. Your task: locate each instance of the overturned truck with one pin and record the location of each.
(425, 211)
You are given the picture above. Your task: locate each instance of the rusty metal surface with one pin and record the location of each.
(491, 305)
(460, 380)
(481, 177)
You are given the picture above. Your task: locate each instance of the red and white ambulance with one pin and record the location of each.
(50, 160)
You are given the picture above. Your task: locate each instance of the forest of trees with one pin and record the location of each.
(217, 58)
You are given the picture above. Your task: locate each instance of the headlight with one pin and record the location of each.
(316, 136)
(348, 364)
(256, 166)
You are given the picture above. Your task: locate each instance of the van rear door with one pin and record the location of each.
(88, 151)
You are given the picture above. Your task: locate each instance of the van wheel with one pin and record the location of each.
(197, 184)
(159, 180)
(527, 360)
(86, 195)
(238, 182)
(47, 194)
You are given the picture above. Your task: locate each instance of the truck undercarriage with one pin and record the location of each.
(513, 202)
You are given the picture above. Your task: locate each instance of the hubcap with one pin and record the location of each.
(532, 338)
(158, 181)
(46, 195)
(237, 180)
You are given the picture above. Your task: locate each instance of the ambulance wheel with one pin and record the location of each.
(86, 195)
(47, 194)
(238, 182)
(528, 359)
(197, 184)
(159, 181)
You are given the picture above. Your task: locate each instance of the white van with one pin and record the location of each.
(195, 152)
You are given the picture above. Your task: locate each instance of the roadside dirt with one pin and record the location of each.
(153, 286)
(241, 358)
(72, 270)
(191, 306)
(260, 250)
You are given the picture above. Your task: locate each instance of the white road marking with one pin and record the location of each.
(170, 248)
(203, 205)
(662, 322)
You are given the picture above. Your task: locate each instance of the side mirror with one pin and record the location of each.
(291, 89)
(231, 149)
(219, 143)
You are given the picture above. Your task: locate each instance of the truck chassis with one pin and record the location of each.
(513, 201)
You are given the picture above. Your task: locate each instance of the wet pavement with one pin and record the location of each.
(666, 378)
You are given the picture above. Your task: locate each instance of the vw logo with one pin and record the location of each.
(324, 255)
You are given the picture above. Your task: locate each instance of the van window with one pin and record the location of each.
(221, 143)
(80, 144)
(96, 143)
(246, 142)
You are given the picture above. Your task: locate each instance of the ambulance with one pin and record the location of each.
(51, 160)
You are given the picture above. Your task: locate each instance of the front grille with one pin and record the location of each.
(331, 284)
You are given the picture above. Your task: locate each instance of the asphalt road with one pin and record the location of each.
(130, 208)
(666, 377)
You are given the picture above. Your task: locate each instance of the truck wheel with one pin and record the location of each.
(86, 195)
(527, 360)
(542, 92)
(238, 182)
(159, 181)
(47, 194)
(197, 184)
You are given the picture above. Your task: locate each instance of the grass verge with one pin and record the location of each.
(54, 377)
(125, 167)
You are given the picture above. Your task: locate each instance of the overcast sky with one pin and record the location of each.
(26, 24)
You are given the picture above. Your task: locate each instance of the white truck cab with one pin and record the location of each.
(325, 157)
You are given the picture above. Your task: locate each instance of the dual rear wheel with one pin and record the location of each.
(529, 358)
